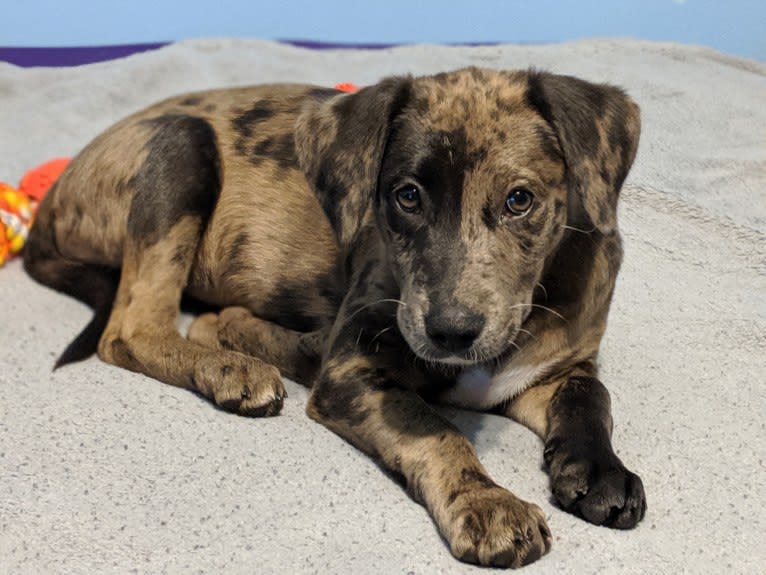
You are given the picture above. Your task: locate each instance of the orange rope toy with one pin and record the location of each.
(18, 205)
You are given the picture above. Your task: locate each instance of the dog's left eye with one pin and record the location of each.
(519, 201)
(408, 198)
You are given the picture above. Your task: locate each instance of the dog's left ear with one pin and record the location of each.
(598, 127)
(340, 143)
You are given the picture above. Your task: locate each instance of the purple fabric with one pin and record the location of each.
(71, 56)
(76, 56)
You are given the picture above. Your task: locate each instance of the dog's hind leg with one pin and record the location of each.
(175, 193)
(297, 355)
(93, 284)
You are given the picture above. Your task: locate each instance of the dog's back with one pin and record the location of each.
(267, 244)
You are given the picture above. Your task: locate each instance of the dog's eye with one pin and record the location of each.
(408, 198)
(519, 201)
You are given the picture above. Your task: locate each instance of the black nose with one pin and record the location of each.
(455, 331)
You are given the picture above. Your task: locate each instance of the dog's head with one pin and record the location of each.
(472, 178)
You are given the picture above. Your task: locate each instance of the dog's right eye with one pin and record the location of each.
(408, 198)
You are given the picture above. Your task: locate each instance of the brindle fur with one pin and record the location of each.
(278, 203)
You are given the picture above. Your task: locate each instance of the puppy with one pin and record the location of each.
(446, 238)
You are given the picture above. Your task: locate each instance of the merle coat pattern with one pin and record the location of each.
(447, 238)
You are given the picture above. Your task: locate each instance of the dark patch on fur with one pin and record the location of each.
(123, 187)
(435, 386)
(236, 252)
(362, 284)
(122, 353)
(476, 477)
(331, 287)
(290, 307)
(507, 107)
(332, 191)
(437, 162)
(488, 216)
(477, 75)
(280, 148)
(534, 226)
(470, 479)
(191, 101)
(179, 177)
(245, 123)
(182, 254)
(526, 245)
(339, 401)
(575, 258)
(549, 143)
(619, 139)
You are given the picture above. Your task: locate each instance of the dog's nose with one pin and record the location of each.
(454, 332)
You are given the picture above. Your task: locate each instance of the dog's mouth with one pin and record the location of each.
(480, 353)
(472, 357)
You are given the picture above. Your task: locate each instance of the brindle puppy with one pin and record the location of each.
(450, 237)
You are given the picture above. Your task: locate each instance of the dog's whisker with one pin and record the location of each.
(529, 333)
(381, 332)
(543, 307)
(545, 291)
(368, 305)
(580, 230)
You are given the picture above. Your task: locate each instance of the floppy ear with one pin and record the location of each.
(340, 144)
(598, 127)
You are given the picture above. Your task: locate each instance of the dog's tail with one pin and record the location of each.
(93, 284)
(86, 342)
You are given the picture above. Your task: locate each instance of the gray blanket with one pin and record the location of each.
(106, 471)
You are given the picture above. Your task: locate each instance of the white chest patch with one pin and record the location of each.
(478, 388)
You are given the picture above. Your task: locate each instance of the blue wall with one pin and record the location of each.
(736, 27)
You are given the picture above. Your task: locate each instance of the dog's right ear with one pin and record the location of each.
(340, 144)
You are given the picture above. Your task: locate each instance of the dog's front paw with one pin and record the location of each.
(594, 484)
(491, 526)
(240, 384)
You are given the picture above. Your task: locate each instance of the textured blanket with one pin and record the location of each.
(106, 471)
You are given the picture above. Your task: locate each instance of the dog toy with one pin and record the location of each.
(15, 218)
(18, 206)
(347, 87)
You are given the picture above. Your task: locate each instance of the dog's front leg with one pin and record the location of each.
(573, 416)
(362, 395)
